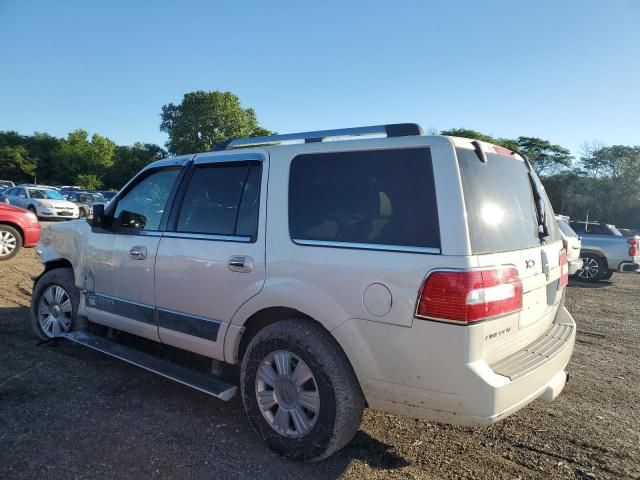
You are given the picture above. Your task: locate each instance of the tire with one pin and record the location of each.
(593, 268)
(66, 320)
(10, 242)
(608, 274)
(333, 389)
(82, 213)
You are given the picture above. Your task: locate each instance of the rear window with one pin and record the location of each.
(378, 197)
(501, 212)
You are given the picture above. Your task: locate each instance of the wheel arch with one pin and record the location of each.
(52, 265)
(596, 252)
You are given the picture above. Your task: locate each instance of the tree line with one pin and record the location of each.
(602, 183)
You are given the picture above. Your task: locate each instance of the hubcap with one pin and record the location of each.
(8, 243)
(589, 269)
(54, 311)
(287, 394)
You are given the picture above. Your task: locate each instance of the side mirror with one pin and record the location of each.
(98, 218)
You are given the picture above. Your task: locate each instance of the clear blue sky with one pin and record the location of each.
(568, 71)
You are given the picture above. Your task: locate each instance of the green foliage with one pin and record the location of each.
(90, 181)
(204, 119)
(15, 163)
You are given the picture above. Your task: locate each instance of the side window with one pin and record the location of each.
(380, 197)
(21, 192)
(222, 199)
(142, 207)
(11, 191)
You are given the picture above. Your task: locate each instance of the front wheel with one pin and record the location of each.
(593, 268)
(299, 390)
(54, 304)
(10, 242)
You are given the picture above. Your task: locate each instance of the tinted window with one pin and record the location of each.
(383, 197)
(222, 199)
(142, 207)
(501, 212)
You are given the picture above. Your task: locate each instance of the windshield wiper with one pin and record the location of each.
(541, 211)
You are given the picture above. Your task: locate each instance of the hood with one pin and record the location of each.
(5, 207)
(56, 203)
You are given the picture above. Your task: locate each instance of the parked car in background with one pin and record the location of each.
(629, 232)
(85, 200)
(605, 251)
(572, 244)
(4, 198)
(107, 194)
(44, 202)
(329, 293)
(4, 184)
(18, 228)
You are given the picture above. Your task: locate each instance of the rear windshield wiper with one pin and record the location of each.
(541, 211)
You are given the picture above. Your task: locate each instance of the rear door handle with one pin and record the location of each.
(241, 264)
(138, 252)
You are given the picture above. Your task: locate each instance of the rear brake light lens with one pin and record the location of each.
(470, 296)
(564, 269)
(502, 151)
(633, 250)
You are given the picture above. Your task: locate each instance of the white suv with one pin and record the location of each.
(417, 275)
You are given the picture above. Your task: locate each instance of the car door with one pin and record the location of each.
(119, 259)
(211, 259)
(18, 197)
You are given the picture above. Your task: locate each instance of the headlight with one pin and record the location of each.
(33, 217)
(45, 204)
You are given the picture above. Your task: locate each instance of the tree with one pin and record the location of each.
(467, 133)
(15, 164)
(204, 119)
(89, 181)
(545, 157)
(130, 160)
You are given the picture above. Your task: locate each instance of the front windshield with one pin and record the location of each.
(45, 194)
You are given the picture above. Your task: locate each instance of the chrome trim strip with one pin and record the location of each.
(367, 246)
(189, 324)
(124, 308)
(206, 236)
(218, 157)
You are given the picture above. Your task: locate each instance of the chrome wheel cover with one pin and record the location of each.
(8, 243)
(54, 311)
(287, 394)
(590, 269)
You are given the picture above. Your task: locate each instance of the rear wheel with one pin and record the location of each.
(299, 390)
(54, 304)
(608, 274)
(593, 268)
(10, 242)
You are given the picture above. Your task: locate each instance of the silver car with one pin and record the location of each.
(46, 203)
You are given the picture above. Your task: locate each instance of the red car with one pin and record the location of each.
(18, 228)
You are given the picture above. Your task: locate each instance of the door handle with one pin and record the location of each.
(138, 253)
(241, 264)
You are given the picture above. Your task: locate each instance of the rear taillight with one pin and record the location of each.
(502, 151)
(564, 269)
(633, 249)
(565, 245)
(470, 296)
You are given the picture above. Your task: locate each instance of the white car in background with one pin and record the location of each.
(572, 243)
(44, 202)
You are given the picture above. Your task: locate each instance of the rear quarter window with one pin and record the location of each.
(376, 197)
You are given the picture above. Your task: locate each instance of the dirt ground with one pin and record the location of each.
(68, 412)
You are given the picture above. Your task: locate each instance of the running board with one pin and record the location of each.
(190, 378)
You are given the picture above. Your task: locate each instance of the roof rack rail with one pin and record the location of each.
(390, 130)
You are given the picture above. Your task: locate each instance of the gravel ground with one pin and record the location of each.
(68, 412)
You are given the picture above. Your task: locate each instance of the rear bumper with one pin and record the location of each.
(627, 267)
(440, 387)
